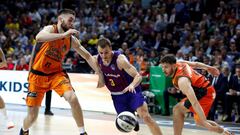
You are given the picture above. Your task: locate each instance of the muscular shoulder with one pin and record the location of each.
(48, 28)
(121, 58)
(183, 69)
(121, 61)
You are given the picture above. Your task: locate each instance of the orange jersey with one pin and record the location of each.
(48, 56)
(204, 91)
(184, 70)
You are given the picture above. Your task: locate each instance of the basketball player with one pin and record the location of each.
(199, 92)
(3, 111)
(46, 71)
(122, 80)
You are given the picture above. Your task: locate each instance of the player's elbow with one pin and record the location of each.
(139, 77)
(38, 38)
(87, 57)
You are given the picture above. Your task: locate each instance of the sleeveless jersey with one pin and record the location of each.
(48, 56)
(116, 80)
(197, 80)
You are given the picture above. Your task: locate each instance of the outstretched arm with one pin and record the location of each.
(198, 65)
(85, 54)
(92, 61)
(185, 86)
(131, 70)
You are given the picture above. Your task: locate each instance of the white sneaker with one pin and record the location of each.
(10, 125)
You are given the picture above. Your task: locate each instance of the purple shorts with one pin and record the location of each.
(128, 101)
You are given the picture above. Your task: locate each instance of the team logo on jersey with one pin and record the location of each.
(113, 67)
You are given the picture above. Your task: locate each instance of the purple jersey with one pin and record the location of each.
(115, 79)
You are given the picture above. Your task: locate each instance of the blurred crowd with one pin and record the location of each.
(194, 30)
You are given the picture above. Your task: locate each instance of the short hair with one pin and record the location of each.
(66, 11)
(169, 59)
(104, 42)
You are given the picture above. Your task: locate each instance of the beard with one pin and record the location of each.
(170, 73)
(64, 27)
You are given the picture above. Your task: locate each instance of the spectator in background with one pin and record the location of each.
(233, 95)
(129, 56)
(124, 47)
(140, 43)
(221, 85)
(153, 59)
(22, 64)
(10, 64)
(186, 48)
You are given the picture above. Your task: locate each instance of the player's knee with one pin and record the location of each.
(72, 99)
(176, 109)
(146, 118)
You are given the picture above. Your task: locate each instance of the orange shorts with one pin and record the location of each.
(38, 85)
(205, 101)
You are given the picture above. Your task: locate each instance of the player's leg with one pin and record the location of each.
(144, 114)
(213, 126)
(137, 103)
(33, 101)
(3, 111)
(31, 117)
(76, 110)
(64, 88)
(178, 117)
(75, 106)
(206, 104)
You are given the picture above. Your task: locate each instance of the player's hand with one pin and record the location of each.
(129, 88)
(211, 127)
(3, 64)
(71, 32)
(226, 132)
(214, 71)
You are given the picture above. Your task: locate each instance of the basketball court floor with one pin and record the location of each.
(97, 123)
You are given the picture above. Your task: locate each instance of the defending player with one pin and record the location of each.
(199, 92)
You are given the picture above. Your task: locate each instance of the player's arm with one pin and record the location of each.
(198, 65)
(2, 56)
(47, 34)
(124, 64)
(92, 60)
(184, 85)
(85, 54)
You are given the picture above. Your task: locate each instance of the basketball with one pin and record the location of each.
(126, 121)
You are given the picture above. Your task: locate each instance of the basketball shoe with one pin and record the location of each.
(24, 132)
(85, 133)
